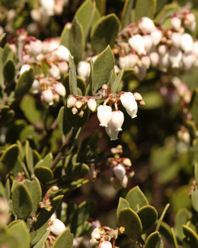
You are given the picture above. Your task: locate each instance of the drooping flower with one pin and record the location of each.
(129, 103)
(137, 43)
(104, 114)
(147, 25)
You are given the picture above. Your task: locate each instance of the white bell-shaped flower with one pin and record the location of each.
(111, 131)
(71, 101)
(154, 57)
(176, 39)
(105, 244)
(146, 61)
(164, 62)
(35, 86)
(62, 53)
(188, 60)
(47, 96)
(124, 181)
(60, 89)
(119, 171)
(54, 71)
(148, 42)
(156, 36)
(117, 120)
(128, 61)
(96, 234)
(92, 104)
(129, 103)
(187, 43)
(175, 57)
(146, 25)
(104, 114)
(83, 69)
(137, 43)
(57, 226)
(24, 68)
(63, 67)
(36, 47)
(162, 49)
(48, 6)
(176, 23)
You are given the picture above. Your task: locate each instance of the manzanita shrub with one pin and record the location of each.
(98, 124)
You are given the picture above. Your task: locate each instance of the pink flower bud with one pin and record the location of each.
(148, 42)
(176, 23)
(71, 101)
(127, 162)
(47, 96)
(104, 114)
(92, 104)
(119, 171)
(105, 244)
(57, 226)
(129, 103)
(117, 120)
(154, 57)
(60, 89)
(63, 67)
(147, 25)
(138, 96)
(175, 57)
(156, 36)
(62, 53)
(176, 39)
(54, 71)
(35, 86)
(187, 43)
(84, 69)
(137, 43)
(35, 47)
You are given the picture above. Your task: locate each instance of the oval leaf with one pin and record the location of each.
(131, 222)
(9, 71)
(136, 198)
(65, 240)
(21, 200)
(104, 32)
(148, 216)
(154, 241)
(44, 173)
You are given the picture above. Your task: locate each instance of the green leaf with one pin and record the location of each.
(194, 103)
(7, 53)
(168, 233)
(8, 159)
(116, 84)
(145, 8)
(101, 6)
(7, 115)
(41, 242)
(30, 110)
(24, 83)
(167, 11)
(132, 223)
(191, 238)
(63, 123)
(148, 216)
(72, 77)
(21, 200)
(126, 13)
(44, 173)
(65, 240)
(196, 172)
(194, 197)
(123, 203)
(9, 71)
(85, 15)
(19, 230)
(154, 241)
(38, 234)
(9, 241)
(76, 40)
(46, 161)
(29, 157)
(136, 198)
(104, 32)
(102, 68)
(181, 218)
(64, 39)
(34, 188)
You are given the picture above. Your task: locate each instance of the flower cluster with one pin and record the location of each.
(49, 61)
(103, 237)
(142, 45)
(121, 167)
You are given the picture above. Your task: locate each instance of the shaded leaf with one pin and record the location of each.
(104, 32)
(65, 240)
(194, 197)
(9, 71)
(136, 198)
(154, 241)
(126, 13)
(64, 39)
(116, 84)
(44, 173)
(123, 203)
(181, 218)
(72, 77)
(191, 238)
(145, 8)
